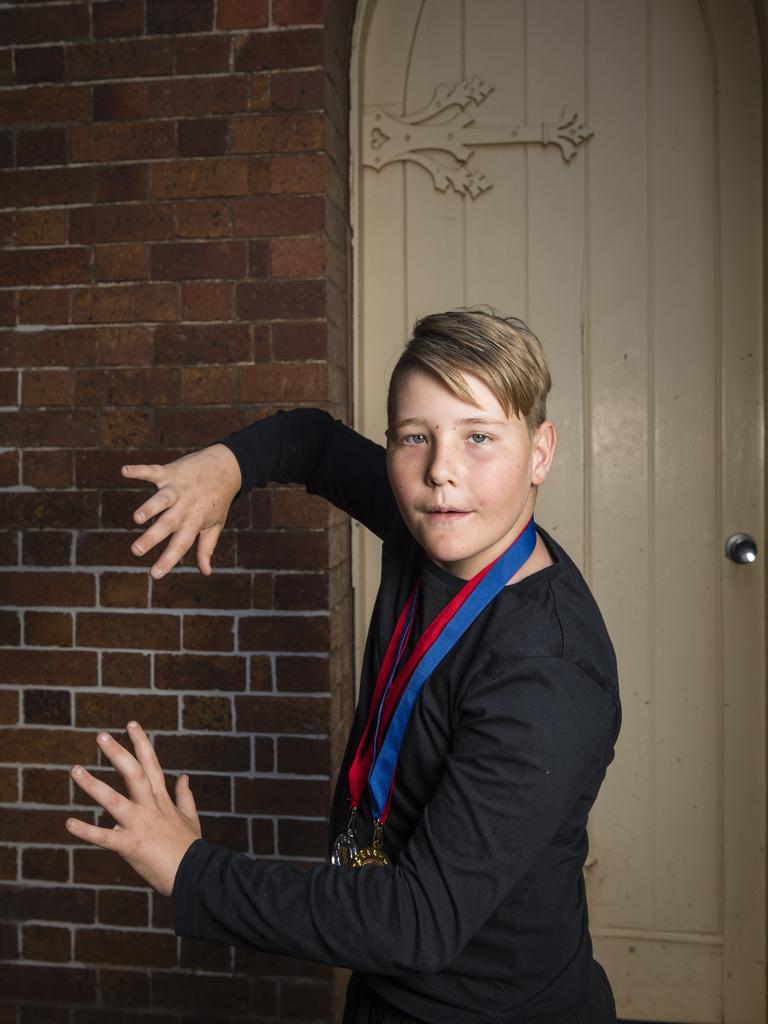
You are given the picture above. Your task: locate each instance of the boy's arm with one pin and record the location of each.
(528, 745)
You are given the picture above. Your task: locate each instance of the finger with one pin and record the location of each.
(137, 471)
(185, 801)
(158, 531)
(112, 801)
(109, 838)
(139, 786)
(147, 758)
(177, 547)
(206, 543)
(158, 503)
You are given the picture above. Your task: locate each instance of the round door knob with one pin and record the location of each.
(740, 547)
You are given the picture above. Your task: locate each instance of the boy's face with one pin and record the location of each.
(464, 476)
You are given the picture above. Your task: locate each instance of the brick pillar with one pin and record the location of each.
(174, 216)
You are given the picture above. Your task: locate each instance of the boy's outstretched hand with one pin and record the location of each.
(152, 833)
(192, 500)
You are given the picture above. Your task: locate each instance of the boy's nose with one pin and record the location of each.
(442, 468)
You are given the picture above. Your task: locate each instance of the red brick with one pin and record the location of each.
(240, 14)
(101, 867)
(300, 341)
(207, 300)
(104, 946)
(110, 630)
(45, 104)
(35, 64)
(298, 257)
(177, 16)
(120, 346)
(195, 178)
(40, 942)
(276, 549)
(298, 12)
(298, 90)
(303, 839)
(48, 468)
(9, 706)
(25, 825)
(284, 633)
(185, 344)
(131, 58)
(46, 387)
(187, 260)
(302, 675)
(201, 54)
(61, 984)
(112, 711)
(126, 670)
(143, 222)
(214, 384)
(50, 865)
(46, 187)
(9, 468)
(116, 906)
(10, 629)
(197, 97)
(123, 589)
(121, 428)
(201, 993)
(268, 51)
(7, 159)
(123, 101)
(9, 387)
(9, 786)
(28, 510)
(211, 753)
(41, 227)
(259, 260)
(6, 68)
(261, 97)
(47, 588)
(7, 863)
(301, 591)
(278, 215)
(73, 347)
(109, 548)
(45, 266)
(121, 262)
(47, 707)
(122, 184)
(207, 713)
(208, 632)
(48, 629)
(44, 306)
(108, 142)
(41, 146)
(306, 173)
(47, 547)
(207, 218)
(46, 427)
(277, 133)
(204, 956)
(118, 18)
(202, 136)
(283, 714)
(128, 303)
(44, 22)
(44, 786)
(131, 386)
(199, 672)
(281, 796)
(279, 382)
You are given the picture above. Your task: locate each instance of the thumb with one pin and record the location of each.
(206, 542)
(185, 802)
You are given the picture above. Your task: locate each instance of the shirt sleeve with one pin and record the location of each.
(310, 447)
(528, 742)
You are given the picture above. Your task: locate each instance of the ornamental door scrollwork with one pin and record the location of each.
(421, 137)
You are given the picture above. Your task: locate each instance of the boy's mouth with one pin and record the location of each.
(445, 512)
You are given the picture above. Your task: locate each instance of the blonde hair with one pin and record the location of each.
(500, 351)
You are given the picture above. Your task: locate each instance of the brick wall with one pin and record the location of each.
(173, 210)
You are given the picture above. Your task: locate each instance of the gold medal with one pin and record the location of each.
(372, 856)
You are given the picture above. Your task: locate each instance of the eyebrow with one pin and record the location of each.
(418, 420)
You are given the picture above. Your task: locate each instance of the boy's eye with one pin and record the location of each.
(479, 438)
(414, 438)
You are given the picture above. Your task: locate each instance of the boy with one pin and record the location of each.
(487, 716)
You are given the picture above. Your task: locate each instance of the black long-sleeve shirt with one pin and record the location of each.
(482, 917)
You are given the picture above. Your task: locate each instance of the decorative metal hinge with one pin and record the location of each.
(416, 137)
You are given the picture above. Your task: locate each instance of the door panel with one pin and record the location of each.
(638, 263)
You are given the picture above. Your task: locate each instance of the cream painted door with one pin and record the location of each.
(635, 253)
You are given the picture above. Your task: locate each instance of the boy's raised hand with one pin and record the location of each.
(152, 833)
(192, 500)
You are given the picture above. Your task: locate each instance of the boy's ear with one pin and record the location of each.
(543, 446)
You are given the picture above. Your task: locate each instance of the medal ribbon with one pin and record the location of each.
(377, 767)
